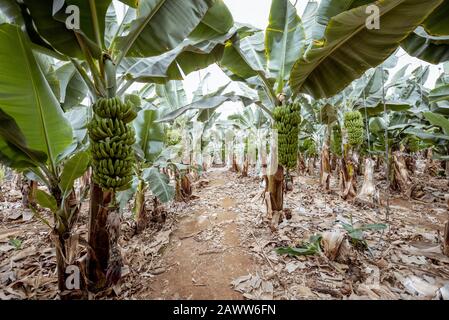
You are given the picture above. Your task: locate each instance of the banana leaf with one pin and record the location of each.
(189, 56)
(438, 120)
(49, 17)
(73, 88)
(207, 102)
(159, 184)
(177, 19)
(150, 135)
(348, 48)
(284, 41)
(437, 23)
(28, 99)
(439, 93)
(374, 110)
(425, 47)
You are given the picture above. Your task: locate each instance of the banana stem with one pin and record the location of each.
(111, 80)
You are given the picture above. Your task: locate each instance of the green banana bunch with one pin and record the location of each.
(308, 146)
(336, 140)
(354, 126)
(172, 136)
(414, 143)
(111, 143)
(287, 120)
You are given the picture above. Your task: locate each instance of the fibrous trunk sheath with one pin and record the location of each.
(325, 168)
(348, 177)
(446, 239)
(401, 176)
(368, 193)
(98, 235)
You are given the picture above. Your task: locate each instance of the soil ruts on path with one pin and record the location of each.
(205, 253)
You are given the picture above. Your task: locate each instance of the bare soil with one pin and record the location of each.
(219, 246)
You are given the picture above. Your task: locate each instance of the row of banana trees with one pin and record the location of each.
(314, 58)
(52, 74)
(49, 71)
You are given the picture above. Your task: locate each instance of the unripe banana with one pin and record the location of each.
(355, 128)
(287, 122)
(111, 143)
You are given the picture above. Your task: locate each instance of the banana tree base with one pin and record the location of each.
(402, 181)
(368, 195)
(446, 239)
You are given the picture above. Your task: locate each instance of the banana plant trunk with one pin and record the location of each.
(401, 181)
(446, 239)
(274, 188)
(139, 208)
(368, 193)
(301, 168)
(348, 175)
(245, 166)
(66, 243)
(431, 166)
(276, 192)
(28, 190)
(100, 201)
(325, 168)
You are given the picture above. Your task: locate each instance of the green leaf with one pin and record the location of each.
(434, 137)
(150, 135)
(54, 32)
(440, 93)
(203, 47)
(176, 19)
(377, 125)
(206, 103)
(17, 13)
(123, 197)
(217, 21)
(328, 114)
(159, 184)
(437, 23)
(92, 18)
(375, 226)
(245, 58)
(14, 151)
(46, 200)
(74, 168)
(430, 49)
(46, 64)
(284, 40)
(349, 48)
(357, 234)
(30, 100)
(131, 3)
(170, 96)
(438, 120)
(378, 108)
(309, 248)
(73, 88)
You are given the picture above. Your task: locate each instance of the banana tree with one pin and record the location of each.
(336, 36)
(430, 42)
(263, 62)
(193, 36)
(396, 132)
(251, 121)
(38, 140)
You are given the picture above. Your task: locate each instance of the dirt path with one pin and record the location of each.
(205, 253)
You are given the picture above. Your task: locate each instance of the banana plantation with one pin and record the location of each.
(168, 149)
